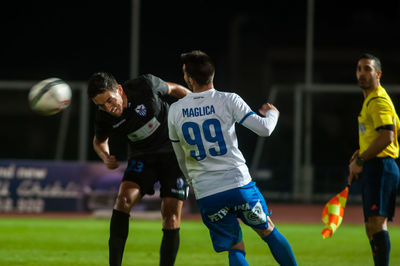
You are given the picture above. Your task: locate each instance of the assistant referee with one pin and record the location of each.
(375, 161)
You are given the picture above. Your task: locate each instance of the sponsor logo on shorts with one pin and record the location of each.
(242, 207)
(374, 207)
(256, 215)
(178, 191)
(218, 215)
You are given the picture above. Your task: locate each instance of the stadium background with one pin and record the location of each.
(256, 46)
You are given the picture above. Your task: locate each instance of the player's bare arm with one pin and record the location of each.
(354, 156)
(103, 151)
(266, 107)
(385, 137)
(176, 90)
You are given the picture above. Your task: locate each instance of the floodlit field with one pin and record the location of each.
(83, 241)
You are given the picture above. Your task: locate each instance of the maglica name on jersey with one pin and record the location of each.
(198, 111)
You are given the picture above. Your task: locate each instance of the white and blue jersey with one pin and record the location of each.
(202, 129)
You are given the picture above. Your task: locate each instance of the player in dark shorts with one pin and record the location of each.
(138, 112)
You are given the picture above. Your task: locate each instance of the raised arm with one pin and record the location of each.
(103, 151)
(263, 126)
(266, 107)
(176, 90)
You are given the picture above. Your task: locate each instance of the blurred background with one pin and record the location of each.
(300, 55)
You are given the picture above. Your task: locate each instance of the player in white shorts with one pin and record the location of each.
(202, 130)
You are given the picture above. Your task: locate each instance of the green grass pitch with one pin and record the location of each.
(83, 241)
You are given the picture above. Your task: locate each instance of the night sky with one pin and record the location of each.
(72, 39)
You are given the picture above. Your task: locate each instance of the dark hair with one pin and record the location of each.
(100, 82)
(198, 66)
(377, 62)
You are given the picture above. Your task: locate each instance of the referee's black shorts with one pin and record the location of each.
(380, 182)
(148, 169)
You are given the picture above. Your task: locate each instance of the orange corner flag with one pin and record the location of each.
(332, 214)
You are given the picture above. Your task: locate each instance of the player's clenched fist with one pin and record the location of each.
(265, 108)
(111, 162)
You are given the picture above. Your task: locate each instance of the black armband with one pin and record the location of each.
(388, 127)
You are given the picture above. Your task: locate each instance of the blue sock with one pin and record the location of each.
(237, 258)
(280, 248)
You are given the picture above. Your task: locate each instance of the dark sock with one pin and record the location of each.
(380, 245)
(169, 247)
(371, 243)
(119, 228)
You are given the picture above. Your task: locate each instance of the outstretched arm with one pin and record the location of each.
(103, 151)
(176, 90)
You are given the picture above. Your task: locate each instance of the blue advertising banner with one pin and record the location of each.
(39, 186)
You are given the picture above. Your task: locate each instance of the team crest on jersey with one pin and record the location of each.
(141, 110)
(362, 128)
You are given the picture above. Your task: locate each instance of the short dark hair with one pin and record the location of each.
(101, 82)
(199, 66)
(377, 62)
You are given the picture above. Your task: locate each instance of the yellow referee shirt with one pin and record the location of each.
(378, 111)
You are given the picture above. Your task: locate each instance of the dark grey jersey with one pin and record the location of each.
(144, 121)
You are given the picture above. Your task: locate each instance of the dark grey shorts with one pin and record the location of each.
(148, 169)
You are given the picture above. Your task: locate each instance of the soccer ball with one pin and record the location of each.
(50, 96)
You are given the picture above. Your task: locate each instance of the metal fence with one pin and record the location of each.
(318, 140)
(305, 159)
(28, 135)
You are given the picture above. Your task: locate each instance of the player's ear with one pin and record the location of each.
(120, 89)
(192, 81)
(379, 74)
